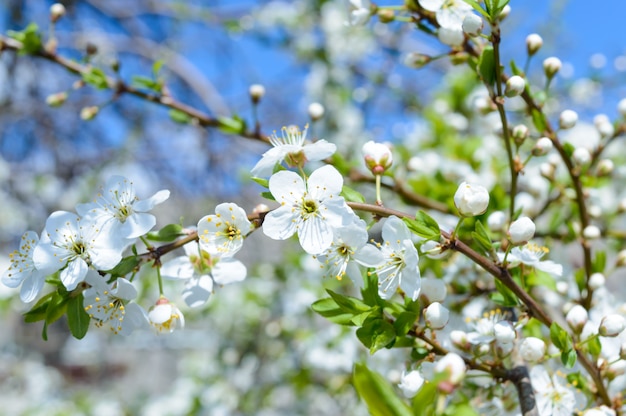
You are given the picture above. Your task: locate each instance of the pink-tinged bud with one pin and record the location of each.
(568, 119)
(514, 86)
(534, 42)
(576, 318)
(164, 316)
(256, 91)
(521, 231)
(471, 200)
(316, 111)
(89, 113)
(551, 66)
(612, 325)
(454, 367)
(57, 11)
(532, 349)
(378, 157)
(436, 315)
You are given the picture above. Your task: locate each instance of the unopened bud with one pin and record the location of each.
(433, 289)
(605, 167)
(256, 91)
(514, 86)
(496, 221)
(621, 107)
(542, 147)
(316, 111)
(612, 325)
(621, 258)
(416, 60)
(551, 66)
(88, 113)
(451, 36)
(604, 126)
(504, 13)
(520, 133)
(532, 349)
(521, 230)
(547, 170)
(91, 49)
(410, 383)
(568, 119)
(57, 11)
(534, 42)
(471, 200)
(576, 318)
(472, 25)
(459, 340)
(386, 15)
(591, 232)
(453, 366)
(378, 157)
(596, 281)
(581, 156)
(56, 100)
(436, 315)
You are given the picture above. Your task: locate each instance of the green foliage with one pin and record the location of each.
(29, 37)
(166, 234)
(424, 226)
(179, 116)
(487, 66)
(77, 318)
(563, 341)
(128, 265)
(504, 296)
(231, 125)
(481, 237)
(96, 78)
(344, 310)
(378, 394)
(351, 195)
(376, 334)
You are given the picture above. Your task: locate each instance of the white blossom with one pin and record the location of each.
(532, 349)
(471, 200)
(224, 232)
(164, 316)
(436, 315)
(23, 271)
(554, 397)
(521, 230)
(411, 383)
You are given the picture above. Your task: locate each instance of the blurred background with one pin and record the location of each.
(256, 347)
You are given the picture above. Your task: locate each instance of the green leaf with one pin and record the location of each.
(487, 66)
(168, 233)
(329, 309)
(38, 311)
(179, 116)
(29, 37)
(262, 181)
(404, 322)
(560, 338)
(124, 267)
(370, 289)
(97, 78)
(599, 262)
(477, 7)
(156, 67)
(514, 68)
(577, 380)
(351, 195)
(481, 236)
(77, 317)
(231, 125)
(348, 303)
(594, 346)
(568, 358)
(581, 279)
(140, 81)
(569, 149)
(378, 394)
(539, 120)
(268, 195)
(504, 296)
(463, 409)
(543, 279)
(424, 226)
(424, 401)
(56, 307)
(376, 334)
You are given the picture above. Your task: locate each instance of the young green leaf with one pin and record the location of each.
(376, 334)
(179, 116)
(77, 318)
(351, 195)
(424, 226)
(168, 233)
(378, 394)
(487, 66)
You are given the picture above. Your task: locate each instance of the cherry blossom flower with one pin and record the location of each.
(117, 207)
(553, 395)
(449, 13)
(411, 383)
(111, 304)
(224, 232)
(201, 270)
(164, 316)
(531, 255)
(22, 269)
(313, 210)
(349, 247)
(71, 244)
(359, 12)
(400, 268)
(290, 147)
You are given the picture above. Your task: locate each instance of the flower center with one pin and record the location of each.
(309, 207)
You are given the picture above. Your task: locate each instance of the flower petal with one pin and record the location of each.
(197, 291)
(229, 270)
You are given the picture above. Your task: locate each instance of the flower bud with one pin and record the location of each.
(521, 230)
(604, 125)
(433, 289)
(378, 157)
(459, 340)
(434, 250)
(612, 325)
(472, 25)
(622, 351)
(542, 147)
(596, 281)
(453, 366)
(547, 170)
(410, 383)
(57, 11)
(416, 60)
(621, 258)
(451, 36)
(576, 318)
(316, 111)
(436, 315)
(534, 42)
(581, 156)
(520, 133)
(496, 221)
(88, 113)
(56, 100)
(164, 316)
(386, 15)
(568, 119)
(605, 167)
(532, 349)
(471, 200)
(591, 232)
(504, 332)
(256, 91)
(514, 86)
(551, 66)
(504, 13)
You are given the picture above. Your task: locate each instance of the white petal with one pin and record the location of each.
(105, 258)
(411, 283)
(160, 313)
(178, 268)
(137, 225)
(229, 271)
(369, 256)
(74, 273)
(197, 291)
(287, 187)
(324, 182)
(319, 150)
(134, 318)
(265, 166)
(279, 224)
(149, 203)
(395, 231)
(315, 235)
(31, 287)
(549, 266)
(124, 290)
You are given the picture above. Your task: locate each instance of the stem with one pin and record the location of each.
(160, 280)
(379, 201)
